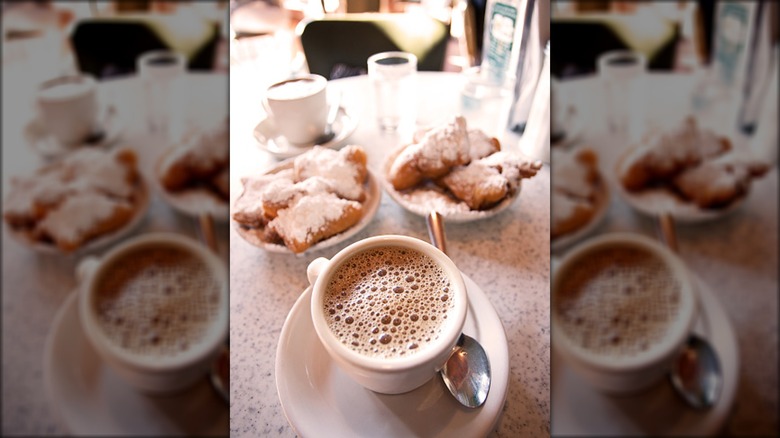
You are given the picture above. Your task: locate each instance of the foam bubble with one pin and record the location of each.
(411, 290)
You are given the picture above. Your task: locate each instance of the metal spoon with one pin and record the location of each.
(696, 376)
(467, 372)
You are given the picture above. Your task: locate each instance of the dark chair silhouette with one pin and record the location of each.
(340, 46)
(106, 48)
(579, 59)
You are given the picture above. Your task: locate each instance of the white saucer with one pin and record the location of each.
(275, 144)
(370, 207)
(45, 145)
(320, 400)
(92, 400)
(580, 410)
(573, 130)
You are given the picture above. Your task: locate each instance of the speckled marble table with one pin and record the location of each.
(736, 256)
(36, 285)
(507, 256)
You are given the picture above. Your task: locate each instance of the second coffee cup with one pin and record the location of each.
(299, 108)
(388, 310)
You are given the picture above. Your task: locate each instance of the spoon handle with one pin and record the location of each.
(436, 230)
(668, 233)
(207, 233)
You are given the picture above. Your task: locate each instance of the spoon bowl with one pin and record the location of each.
(467, 371)
(697, 375)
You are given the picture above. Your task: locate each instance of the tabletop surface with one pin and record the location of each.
(35, 285)
(507, 256)
(736, 255)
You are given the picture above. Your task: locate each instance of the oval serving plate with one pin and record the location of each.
(657, 201)
(97, 242)
(421, 200)
(370, 206)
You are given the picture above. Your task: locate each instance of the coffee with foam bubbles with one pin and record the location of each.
(388, 302)
(157, 301)
(618, 301)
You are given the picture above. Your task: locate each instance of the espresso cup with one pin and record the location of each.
(68, 108)
(388, 310)
(155, 309)
(299, 108)
(622, 309)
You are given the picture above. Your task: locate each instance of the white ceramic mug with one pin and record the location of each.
(68, 108)
(154, 373)
(299, 107)
(615, 373)
(399, 374)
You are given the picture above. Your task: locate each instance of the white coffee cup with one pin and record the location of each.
(401, 373)
(616, 372)
(68, 108)
(299, 107)
(154, 373)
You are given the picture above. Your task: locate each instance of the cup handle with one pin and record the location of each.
(86, 267)
(315, 268)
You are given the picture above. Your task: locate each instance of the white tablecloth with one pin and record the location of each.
(736, 255)
(36, 285)
(507, 256)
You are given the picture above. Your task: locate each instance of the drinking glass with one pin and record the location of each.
(485, 104)
(622, 73)
(162, 73)
(393, 78)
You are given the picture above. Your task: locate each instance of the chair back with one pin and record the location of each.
(340, 46)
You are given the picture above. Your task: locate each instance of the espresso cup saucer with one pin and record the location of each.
(107, 133)
(91, 399)
(271, 141)
(318, 398)
(573, 130)
(658, 411)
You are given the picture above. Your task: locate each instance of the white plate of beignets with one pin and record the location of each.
(579, 196)
(194, 176)
(82, 203)
(459, 172)
(690, 173)
(307, 203)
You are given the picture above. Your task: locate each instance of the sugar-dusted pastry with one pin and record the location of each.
(112, 173)
(81, 217)
(575, 173)
(345, 169)
(197, 159)
(248, 209)
(313, 218)
(438, 151)
(575, 185)
(719, 182)
(221, 183)
(481, 145)
(485, 182)
(569, 213)
(88, 193)
(663, 155)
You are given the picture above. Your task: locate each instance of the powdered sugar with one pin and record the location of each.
(310, 215)
(342, 174)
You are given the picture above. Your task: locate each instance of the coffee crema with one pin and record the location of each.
(388, 302)
(157, 301)
(294, 89)
(618, 301)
